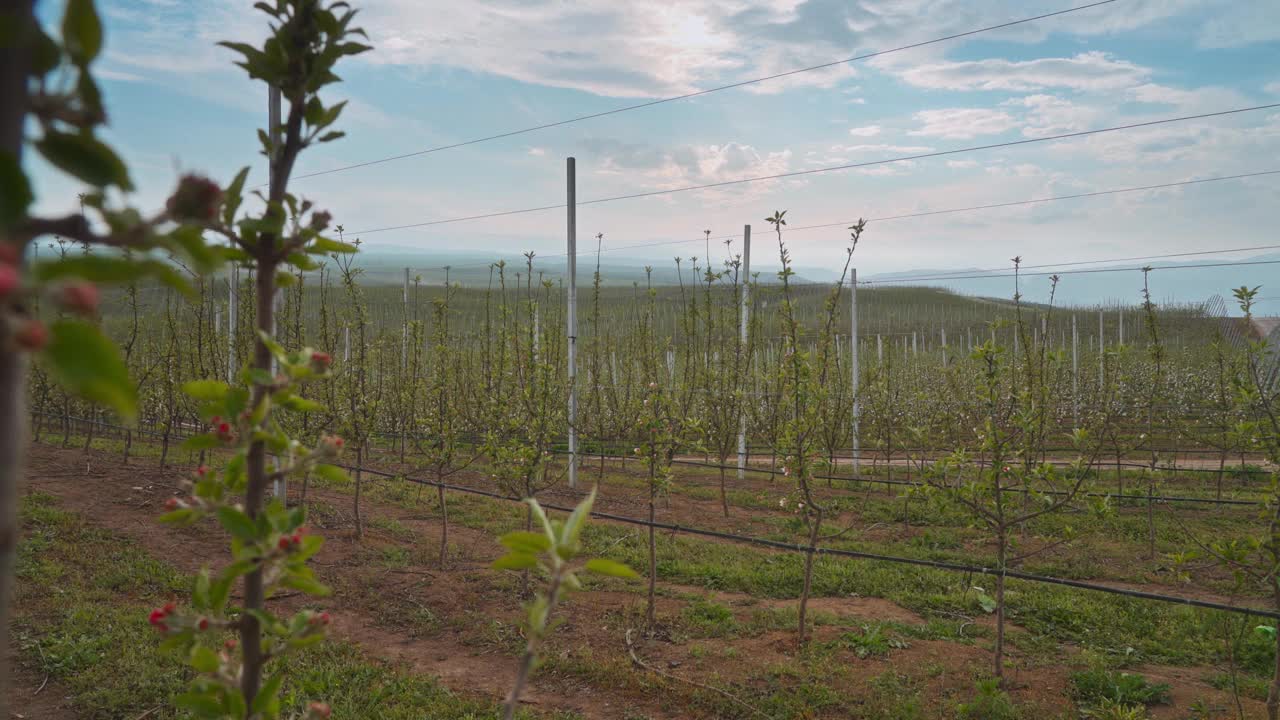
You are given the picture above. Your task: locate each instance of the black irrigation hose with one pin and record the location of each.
(908, 483)
(854, 554)
(178, 436)
(835, 552)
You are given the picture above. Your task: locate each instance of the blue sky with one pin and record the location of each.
(444, 72)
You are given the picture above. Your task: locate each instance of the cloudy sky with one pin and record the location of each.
(444, 72)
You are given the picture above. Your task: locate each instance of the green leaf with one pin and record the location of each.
(515, 561)
(208, 390)
(332, 473)
(237, 523)
(526, 542)
(324, 245)
(610, 568)
(305, 584)
(268, 698)
(573, 526)
(82, 31)
(89, 365)
(196, 443)
(232, 197)
(81, 155)
(111, 269)
(15, 190)
(300, 404)
(190, 240)
(200, 704)
(203, 659)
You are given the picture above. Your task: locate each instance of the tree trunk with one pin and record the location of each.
(12, 442)
(650, 611)
(255, 492)
(1273, 695)
(724, 497)
(808, 577)
(1000, 566)
(444, 521)
(359, 488)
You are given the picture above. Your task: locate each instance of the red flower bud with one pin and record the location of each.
(203, 623)
(320, 220)
(32, 336)
(169, 608)
(8, 279)
(156, 617)
(215, 420)
(319, 709)
(224, 428)
(320, 361)
(283, 544)
(196, 199)
(171, 504)
(202, 471)
(229, 644)
(80, 297)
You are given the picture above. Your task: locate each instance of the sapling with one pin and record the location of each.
(51, 103)
(1256, 559)
(553, 550)
(803, 380)
(983, 485)
(270, 546)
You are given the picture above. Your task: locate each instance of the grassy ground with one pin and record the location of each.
(81, 607)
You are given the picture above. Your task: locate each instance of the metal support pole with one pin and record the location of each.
(1075, 373)
(572, 329)
(742, 338)
(1102, 351)
(404, 342)
(233, 306)
(280, 487)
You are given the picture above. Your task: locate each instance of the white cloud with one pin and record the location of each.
(882, 148)
(652, 167)
(963, 123)
(537, 151)
(1242, 23)
(865, 131)
(1272, 88)
(1195, 100)
(1086, 71)
(1051, 115)
(962, 164)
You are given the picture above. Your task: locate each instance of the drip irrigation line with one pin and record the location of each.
(708, 91)
(1165, 499)
(179, 435)
(833, 168)
(852, 554)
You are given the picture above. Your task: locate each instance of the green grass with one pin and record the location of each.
(81, 609)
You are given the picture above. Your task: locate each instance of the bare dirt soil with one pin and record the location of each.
(461, 624)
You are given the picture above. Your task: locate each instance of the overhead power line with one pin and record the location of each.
(968, 208)
(1009, 273)
(831, 168)
(700, 93)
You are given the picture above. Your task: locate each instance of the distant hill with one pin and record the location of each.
(1183, 282)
